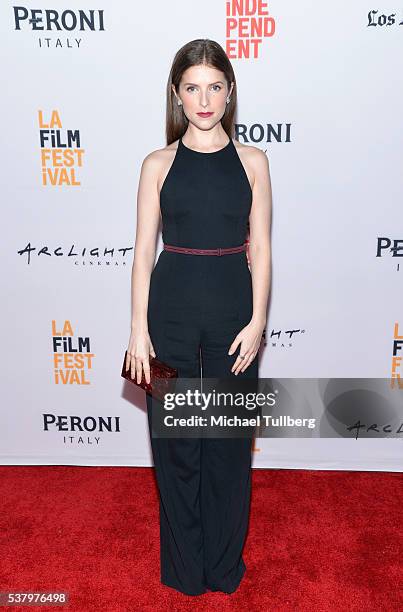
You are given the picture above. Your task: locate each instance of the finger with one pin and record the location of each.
(127, 362)
(146, 368)
(133, 368)
(248, 362)
(236, 363)
(239, 367)
(239, 362)
(139, 370)
(253, 356)
(243, 361)
(234, 345)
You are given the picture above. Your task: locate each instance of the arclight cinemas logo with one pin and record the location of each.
(87, 255)
(54, 22)
(61, 151)
(282, 338)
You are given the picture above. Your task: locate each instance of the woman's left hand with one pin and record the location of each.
(250, 337)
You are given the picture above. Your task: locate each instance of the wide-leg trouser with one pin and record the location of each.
(204, 483)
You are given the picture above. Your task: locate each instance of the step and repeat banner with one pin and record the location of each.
(320, 92)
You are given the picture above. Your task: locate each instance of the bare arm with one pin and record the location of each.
(259, 241)
(148, 214)
(260, 262)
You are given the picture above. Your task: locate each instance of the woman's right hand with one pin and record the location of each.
(138, 352)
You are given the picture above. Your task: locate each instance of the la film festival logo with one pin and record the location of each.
(396, 359)
(61, 152)
(72, 357)
(248, 23)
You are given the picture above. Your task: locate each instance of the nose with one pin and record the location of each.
(203, 99)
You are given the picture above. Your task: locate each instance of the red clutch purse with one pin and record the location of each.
(162, 378)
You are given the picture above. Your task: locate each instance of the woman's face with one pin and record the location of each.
(203, 89)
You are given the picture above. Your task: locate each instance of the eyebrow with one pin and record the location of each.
(215, 83)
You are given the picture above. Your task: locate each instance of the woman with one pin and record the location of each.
(193, 309)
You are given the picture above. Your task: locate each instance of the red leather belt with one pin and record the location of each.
(219, 251)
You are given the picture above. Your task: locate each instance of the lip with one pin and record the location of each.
(204, 115)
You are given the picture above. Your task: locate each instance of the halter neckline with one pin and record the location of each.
(205, 152)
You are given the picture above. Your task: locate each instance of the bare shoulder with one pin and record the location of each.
(251, 153)
(160, 154)
(254, 160)
(158, 162)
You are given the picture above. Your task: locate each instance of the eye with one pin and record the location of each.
(191, 88)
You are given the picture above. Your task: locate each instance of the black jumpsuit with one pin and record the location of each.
(197, 305)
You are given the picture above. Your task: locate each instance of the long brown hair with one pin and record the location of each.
(194, 53)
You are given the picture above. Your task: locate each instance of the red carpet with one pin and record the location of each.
(320, 541)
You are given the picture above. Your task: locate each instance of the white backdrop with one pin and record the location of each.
(320, 93)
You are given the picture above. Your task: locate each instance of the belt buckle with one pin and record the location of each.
(219, 251)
